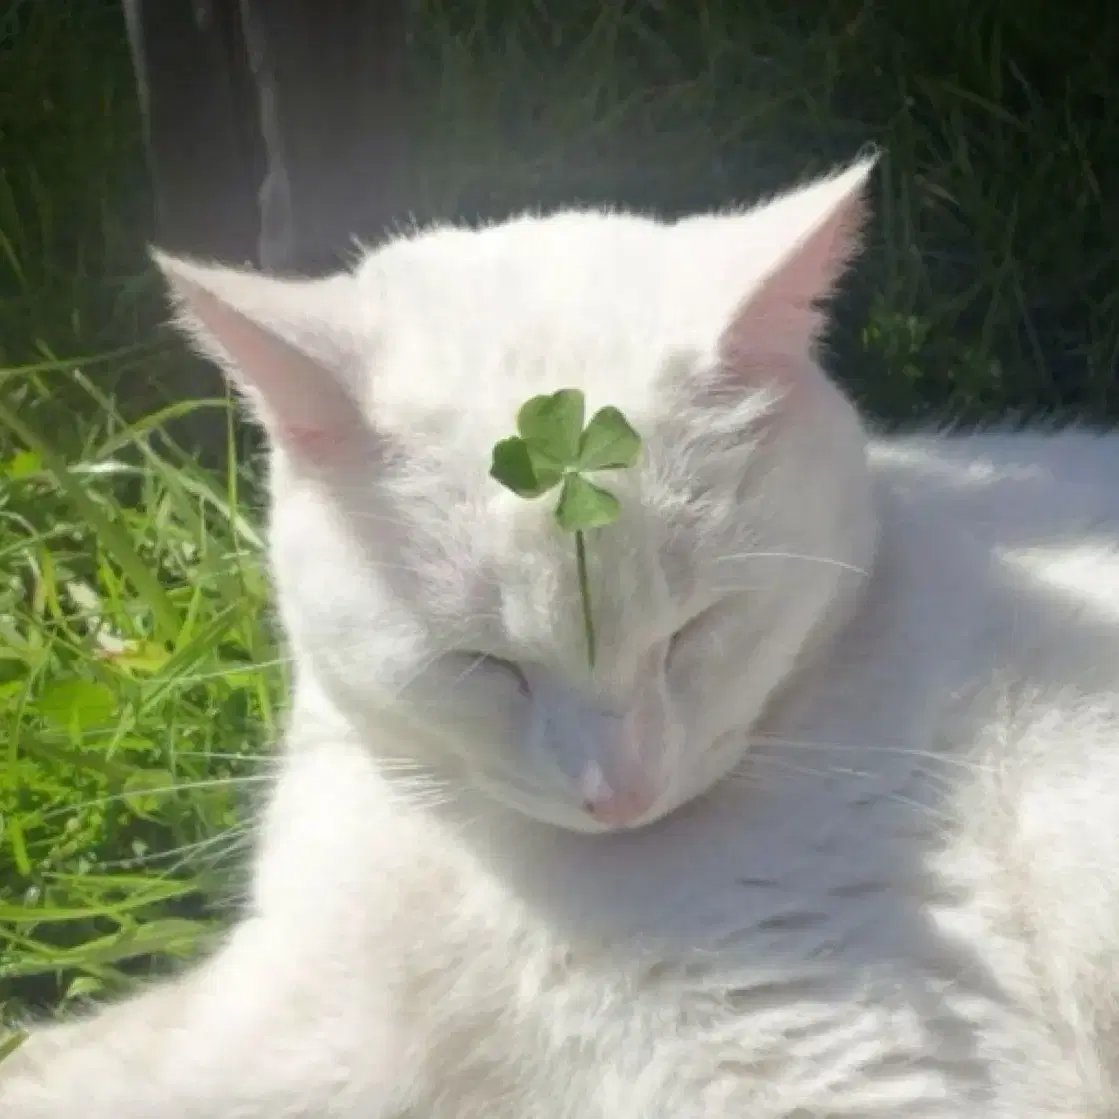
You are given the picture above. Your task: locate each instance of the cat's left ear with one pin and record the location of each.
(769, 271)
(288, 345)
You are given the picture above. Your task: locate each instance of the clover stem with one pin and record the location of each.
(585, 592)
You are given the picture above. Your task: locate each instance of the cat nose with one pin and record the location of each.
(615, 802)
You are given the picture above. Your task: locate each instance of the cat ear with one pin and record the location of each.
(285, 344)
(776, 264)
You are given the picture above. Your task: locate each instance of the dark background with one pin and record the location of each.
(991, 286)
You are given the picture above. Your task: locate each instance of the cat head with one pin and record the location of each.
(405, 573)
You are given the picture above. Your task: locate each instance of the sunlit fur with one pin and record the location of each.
(831, 828)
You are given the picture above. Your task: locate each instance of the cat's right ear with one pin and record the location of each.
(286, 345)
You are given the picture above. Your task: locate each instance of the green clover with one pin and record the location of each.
(553, 448)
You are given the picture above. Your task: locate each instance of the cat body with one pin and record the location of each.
(830, 830)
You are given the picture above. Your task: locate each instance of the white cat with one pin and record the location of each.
(831, 830)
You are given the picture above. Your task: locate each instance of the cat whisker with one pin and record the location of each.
(262, 758)
(451, 642)
(240, 834)
(105, 734)
(930, 774)
(253, 668)
(422, 789)
(235, 781)
(883, 748)
(500, 790)
(742, 774)
(827, 561)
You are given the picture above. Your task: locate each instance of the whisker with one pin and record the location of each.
(160, 790)
(941, 781)
(886, 748)
(826, 560)
(742, 774)
(424, 792)
(261, 758)
(249, 667)
(239, 834)
(289, 659)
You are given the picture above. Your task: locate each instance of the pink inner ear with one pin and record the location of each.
(297, 397)
(775, 329)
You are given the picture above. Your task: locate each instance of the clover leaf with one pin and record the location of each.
(608, 442)
(516, 469)
(552, 425)
(553, 448)
(584, 505)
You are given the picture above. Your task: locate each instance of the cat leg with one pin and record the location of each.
(249, 1035)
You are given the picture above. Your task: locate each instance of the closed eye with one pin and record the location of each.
(690, 629)
(475, 660)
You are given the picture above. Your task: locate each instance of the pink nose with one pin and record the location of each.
(615, 807)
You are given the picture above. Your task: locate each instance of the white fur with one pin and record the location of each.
(858, 711)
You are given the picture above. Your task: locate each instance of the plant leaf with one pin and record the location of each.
(146, 789)
(552, 425)
(518, 470)
(24, 465)
(91, 705)
(584, 505)
(609, 442)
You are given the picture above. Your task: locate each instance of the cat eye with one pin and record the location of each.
(513, 669)
(688, 630)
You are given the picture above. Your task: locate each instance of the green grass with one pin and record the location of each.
(138, 683)
(139, 677)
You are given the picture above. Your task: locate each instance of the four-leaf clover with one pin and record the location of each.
(553, 448)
